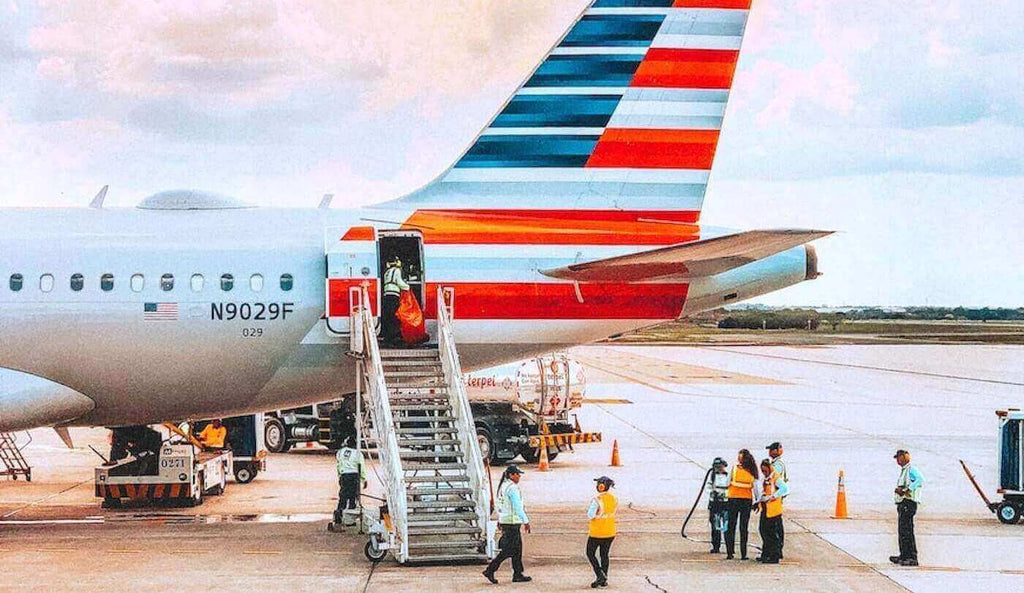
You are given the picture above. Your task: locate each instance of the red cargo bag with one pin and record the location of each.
(410, 320)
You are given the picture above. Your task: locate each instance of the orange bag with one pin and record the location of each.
(410, 320)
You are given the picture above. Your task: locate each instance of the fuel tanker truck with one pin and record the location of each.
(518, 408)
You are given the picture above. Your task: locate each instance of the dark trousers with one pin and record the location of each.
(510, 545)
(771, 537)
(716, 508)
(348, 494)
(739, 516)
(906, 510)
(604, 546)
(782, 537)
(389, 328)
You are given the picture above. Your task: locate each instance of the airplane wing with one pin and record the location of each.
(689, 260)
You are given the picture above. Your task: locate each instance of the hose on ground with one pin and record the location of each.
(703, 484)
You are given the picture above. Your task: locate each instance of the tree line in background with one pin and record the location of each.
(811, 319)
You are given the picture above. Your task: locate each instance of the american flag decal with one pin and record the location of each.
(160, 312)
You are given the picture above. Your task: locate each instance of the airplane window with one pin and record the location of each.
(107, 282)
(77, 282)
(46, 282)
(256, 282)
(227, 282)
(17, 281)
(287, 282)
(167, 282)
(138, 282)
(197, 283)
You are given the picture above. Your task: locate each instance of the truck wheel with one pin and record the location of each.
(1008, 513)
(275, 435)
(245, 474)
(373, 553)
(483, 438)
(531, 455)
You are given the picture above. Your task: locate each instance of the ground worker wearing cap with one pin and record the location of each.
(602, 529)
(511, 515)
(351, 466)
(773, 490)
(907, 496)
(718, 502)
(779, 467)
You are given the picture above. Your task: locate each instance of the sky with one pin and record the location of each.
(899, 125)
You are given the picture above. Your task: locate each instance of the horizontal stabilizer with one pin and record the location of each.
(689, 260)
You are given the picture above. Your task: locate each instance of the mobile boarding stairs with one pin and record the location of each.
(429, 461)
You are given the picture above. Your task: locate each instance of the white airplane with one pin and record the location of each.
(572, 217)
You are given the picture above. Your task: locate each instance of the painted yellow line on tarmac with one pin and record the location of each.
(55, 549)
(594, 400)
(262, 552)
(123, 551)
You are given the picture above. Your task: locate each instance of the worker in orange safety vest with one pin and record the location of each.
(773, 489)
(602, 530)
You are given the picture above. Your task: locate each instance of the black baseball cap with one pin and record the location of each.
(900, 452)
(513, 469)
(775, 445)
(605, 480)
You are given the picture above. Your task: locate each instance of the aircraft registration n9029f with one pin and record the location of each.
(573, 216)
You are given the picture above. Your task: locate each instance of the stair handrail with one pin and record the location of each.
(475, 469)
(384, 426)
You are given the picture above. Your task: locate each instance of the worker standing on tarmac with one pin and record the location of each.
(718, 503)
(602, 530)
(907, 496)
(773, 490)
(742, 482)
(214, 435)
(511, 515)
(351, 472)
(779, 466)
(394, 284)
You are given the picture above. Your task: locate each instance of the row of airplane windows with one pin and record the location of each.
(137, 282)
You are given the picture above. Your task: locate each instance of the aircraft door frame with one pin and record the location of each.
(352, 254)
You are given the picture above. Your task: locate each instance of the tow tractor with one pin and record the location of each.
(1011, 468)
(153, 470)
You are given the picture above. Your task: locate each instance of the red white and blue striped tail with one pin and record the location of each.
(623, 115)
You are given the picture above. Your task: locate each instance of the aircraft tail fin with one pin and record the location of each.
(623, 115)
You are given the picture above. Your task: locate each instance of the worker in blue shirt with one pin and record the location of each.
(511, 515)
(907, 497)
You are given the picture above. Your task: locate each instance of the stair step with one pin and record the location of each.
(437, 491)
(442, 544)
(392, 353)
(456, 479)
(418, 374)
(481, 557)
(439, 430)
(423, 390)
(426, 442)
(451, 530)
(407, 454)
(422, 419)
(412, 362)
(421, 407)
(432, 465)
(425, 518)
(440, 504)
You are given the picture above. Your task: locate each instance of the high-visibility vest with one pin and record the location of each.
(772, 508)
(394, 284)
(741, 485)
(507, 514)
(603, 525)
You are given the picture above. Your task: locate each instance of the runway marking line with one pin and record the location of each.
(55, 550)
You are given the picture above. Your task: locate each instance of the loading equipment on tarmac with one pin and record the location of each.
(10, 455)
(1011, 468)
(429, 461)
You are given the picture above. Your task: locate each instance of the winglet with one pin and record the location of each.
(325, 202)
(62, 431)
(97, 201)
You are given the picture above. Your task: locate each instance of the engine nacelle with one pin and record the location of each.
(28, 401)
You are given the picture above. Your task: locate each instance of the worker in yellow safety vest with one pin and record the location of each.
(773, 489)
(393, 285)
(741, 500)
(511, 516)
(214, 435)
(602, 529)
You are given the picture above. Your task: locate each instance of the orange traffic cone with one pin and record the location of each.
(544, 465)
(615, 454)
(841, 500)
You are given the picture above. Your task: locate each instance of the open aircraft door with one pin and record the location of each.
(352, 262)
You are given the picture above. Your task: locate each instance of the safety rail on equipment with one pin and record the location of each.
(12, 459)
(475, 468)
(376, 394)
